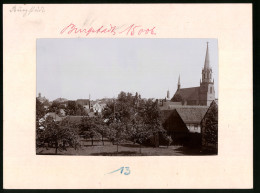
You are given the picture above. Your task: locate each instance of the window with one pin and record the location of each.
(210, 90)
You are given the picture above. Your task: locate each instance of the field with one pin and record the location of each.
(126, 149)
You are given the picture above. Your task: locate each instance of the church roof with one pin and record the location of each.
(192, 114)
(189, 93)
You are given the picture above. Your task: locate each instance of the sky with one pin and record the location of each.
(78, 67)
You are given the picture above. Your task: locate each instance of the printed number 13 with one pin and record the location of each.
(127, 170)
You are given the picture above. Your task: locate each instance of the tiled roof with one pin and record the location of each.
(54, 116)
(166, 114)
(189, 93)
(82, 101)
(169, 105)
(192, 114)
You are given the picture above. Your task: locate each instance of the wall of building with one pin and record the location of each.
(194, 128)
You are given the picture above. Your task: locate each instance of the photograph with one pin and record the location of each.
(127, 97)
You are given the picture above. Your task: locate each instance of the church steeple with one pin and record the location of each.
(179, 83)
(207, 71)
(206, 63)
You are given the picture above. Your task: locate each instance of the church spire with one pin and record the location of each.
(206, 64)
(207, 71)
(179, 83)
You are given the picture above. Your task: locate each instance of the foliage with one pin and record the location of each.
(40, 112)
(89, 128)
(55, 107)
(75, 109)
(59, 134)
(211, 125)
(132, 118)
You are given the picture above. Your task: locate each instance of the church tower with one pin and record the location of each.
(206, 91)
(168, 95)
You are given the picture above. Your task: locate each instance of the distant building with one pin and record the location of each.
(60, 100)
(83, 102)
(41, 99)
(98, 107)
(202, 95)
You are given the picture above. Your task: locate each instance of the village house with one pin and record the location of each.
(183, 123)
(98, 107)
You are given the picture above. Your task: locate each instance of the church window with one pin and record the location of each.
(210, 90)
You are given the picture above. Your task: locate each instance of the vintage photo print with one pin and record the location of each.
(127, 97)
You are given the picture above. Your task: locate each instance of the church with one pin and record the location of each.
(202, 95)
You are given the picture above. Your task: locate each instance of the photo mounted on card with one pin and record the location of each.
(127, 96)
(142, 97)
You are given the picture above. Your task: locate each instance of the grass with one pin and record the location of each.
(126, 149)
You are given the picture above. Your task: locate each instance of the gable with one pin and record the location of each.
(171, 121)
(192, 114)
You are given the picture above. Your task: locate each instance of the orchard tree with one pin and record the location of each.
(60, 134)
(152, 118)
(117, 133)
(89, 128)
(102, 128)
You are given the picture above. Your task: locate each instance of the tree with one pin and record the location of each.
(75, 109)
(102, 128)
(140, 132)
(152, 118)
(117, 133)
(132, 118)
(211, 125)
(60, 134)
(177, 98)
(88, 128)
(55, 107)
(40, 112)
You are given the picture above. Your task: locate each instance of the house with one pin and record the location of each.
(98, 107)
(209, 132)
(192, 117)
(183, 122)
